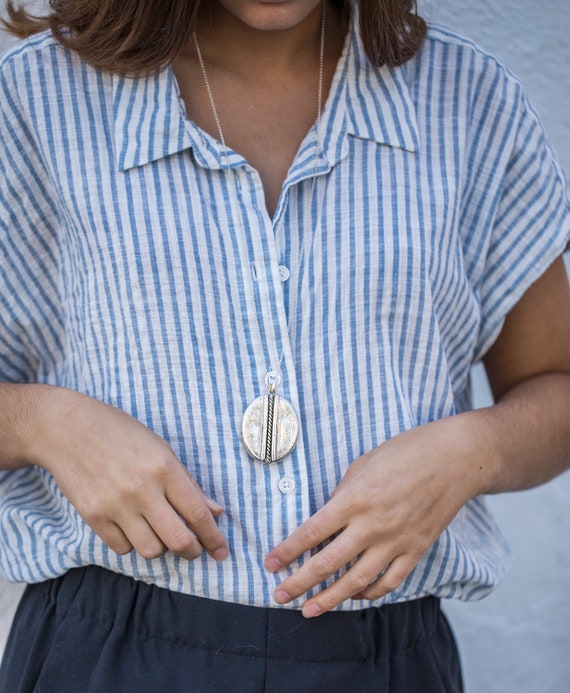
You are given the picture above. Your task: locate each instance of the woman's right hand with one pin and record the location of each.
(124, 480)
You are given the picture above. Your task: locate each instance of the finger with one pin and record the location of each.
(173, 531)
(319, 567)
(321, 526)
(187, 499)
(142, 536)
(114, 537)
(354, 581)
(391, 579)
(215, 508)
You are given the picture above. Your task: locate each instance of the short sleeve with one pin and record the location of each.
(30, 317)
(516, 220)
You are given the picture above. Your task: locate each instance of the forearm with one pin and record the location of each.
(524, 439)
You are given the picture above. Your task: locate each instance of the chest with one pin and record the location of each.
(265, 123)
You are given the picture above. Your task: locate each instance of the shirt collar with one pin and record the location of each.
(149, 119)
(379, 104)
(365, 101)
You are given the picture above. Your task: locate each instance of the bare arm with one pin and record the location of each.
(529, 373)
(123, 479)
(396, 500)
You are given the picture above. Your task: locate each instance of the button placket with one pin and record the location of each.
(288, 478)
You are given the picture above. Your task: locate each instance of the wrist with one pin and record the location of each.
(480, 452)
(48, 407)
(465, 452)
(20, 411)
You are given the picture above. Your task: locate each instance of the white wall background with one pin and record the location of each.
(518, 639)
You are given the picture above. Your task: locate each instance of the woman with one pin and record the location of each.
(242, 297)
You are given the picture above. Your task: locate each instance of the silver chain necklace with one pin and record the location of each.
(270, 425)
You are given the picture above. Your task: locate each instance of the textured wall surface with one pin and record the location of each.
(518, 639)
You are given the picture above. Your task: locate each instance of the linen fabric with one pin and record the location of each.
(138, 638)
(140, 267)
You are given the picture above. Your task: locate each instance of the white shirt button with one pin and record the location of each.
(287, 485)
(284, 273)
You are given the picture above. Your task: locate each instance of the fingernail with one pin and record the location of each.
(273, 564)
(282, 597)
(310, 610)
(220, 554)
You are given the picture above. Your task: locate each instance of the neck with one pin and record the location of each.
(264, 49)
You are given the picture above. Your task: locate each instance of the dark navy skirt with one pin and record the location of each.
(92, 631)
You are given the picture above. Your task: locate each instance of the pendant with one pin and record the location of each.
(270, 425)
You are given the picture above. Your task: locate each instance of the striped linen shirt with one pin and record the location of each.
(139, 265)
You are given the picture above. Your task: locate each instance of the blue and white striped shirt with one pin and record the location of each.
(134, 247)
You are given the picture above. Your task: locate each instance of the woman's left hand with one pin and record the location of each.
(388, 510)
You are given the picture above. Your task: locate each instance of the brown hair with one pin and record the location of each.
(123, 36)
